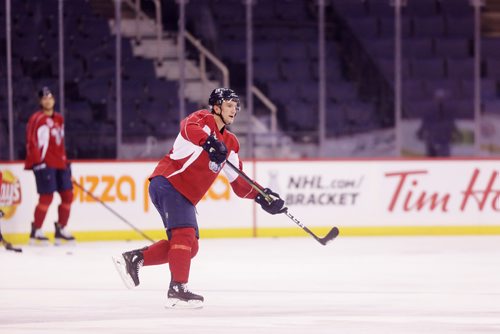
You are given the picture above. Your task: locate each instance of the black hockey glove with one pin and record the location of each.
(276, 206)
(217, 150)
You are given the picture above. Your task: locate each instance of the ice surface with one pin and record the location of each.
(292, 285)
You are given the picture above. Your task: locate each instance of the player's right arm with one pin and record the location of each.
(195, 128)
(36, 141)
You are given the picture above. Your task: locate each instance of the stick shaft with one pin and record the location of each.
(248, 180)
(113, 211)
(322, 241)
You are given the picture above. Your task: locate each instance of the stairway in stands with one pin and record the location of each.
(163, 52)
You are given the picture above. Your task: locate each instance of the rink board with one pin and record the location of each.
(361, 197)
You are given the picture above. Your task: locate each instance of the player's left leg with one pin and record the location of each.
(179, 218)
(65, 189)
(183, 247)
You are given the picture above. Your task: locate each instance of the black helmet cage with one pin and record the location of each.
(220, 95)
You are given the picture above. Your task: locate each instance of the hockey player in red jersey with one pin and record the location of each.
(46, 156)
(178, 183)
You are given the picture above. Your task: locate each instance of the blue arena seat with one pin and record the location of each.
(460, 27)
(432, 26)
(432, 68)
(350, 8)
(380, 8)
(417, 48)
(421, 8)
(456, 8)
(461, 68)
(413, 90)
(453, 48)
(367, 27)
(266, 70)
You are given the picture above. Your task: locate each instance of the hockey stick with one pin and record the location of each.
(8, 246)
(113, 211)
(334, 232)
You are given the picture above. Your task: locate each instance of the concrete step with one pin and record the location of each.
(151, 48)
(131, 28)
(170, 69)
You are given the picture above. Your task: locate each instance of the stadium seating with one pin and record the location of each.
(89, 78)
(437, 51)
(286, 60)
(437, 66)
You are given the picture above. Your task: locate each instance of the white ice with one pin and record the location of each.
(290, 285)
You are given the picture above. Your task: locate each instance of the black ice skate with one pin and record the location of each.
(128, 265)
(180, 297)
(37, 237)
(62, 235)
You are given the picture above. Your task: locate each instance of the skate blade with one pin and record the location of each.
(62, 242)
(176, 303)
(121, 267)
(39, 243)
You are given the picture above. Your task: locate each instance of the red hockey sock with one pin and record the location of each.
(41, 209)
(157, 253)
(179, 257)
(194, 248)
(65, 207)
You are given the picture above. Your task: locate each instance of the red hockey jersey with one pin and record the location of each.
(188, 167)
(45, 141)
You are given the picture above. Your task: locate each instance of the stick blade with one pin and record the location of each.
(11, 248)
(334, 232)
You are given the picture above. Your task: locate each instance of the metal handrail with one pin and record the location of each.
(274, 113)
(159, 28)
(205, 53)
(139, 15)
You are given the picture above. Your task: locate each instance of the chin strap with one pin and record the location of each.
(222, 118)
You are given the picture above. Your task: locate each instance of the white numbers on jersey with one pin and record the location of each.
(45, 131)
(58, 134)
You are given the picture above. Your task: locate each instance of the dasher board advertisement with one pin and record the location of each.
(449, 196)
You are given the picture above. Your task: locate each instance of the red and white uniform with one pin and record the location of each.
(45, 141)
(188, 167)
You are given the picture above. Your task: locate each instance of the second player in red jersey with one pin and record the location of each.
(46, 156)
